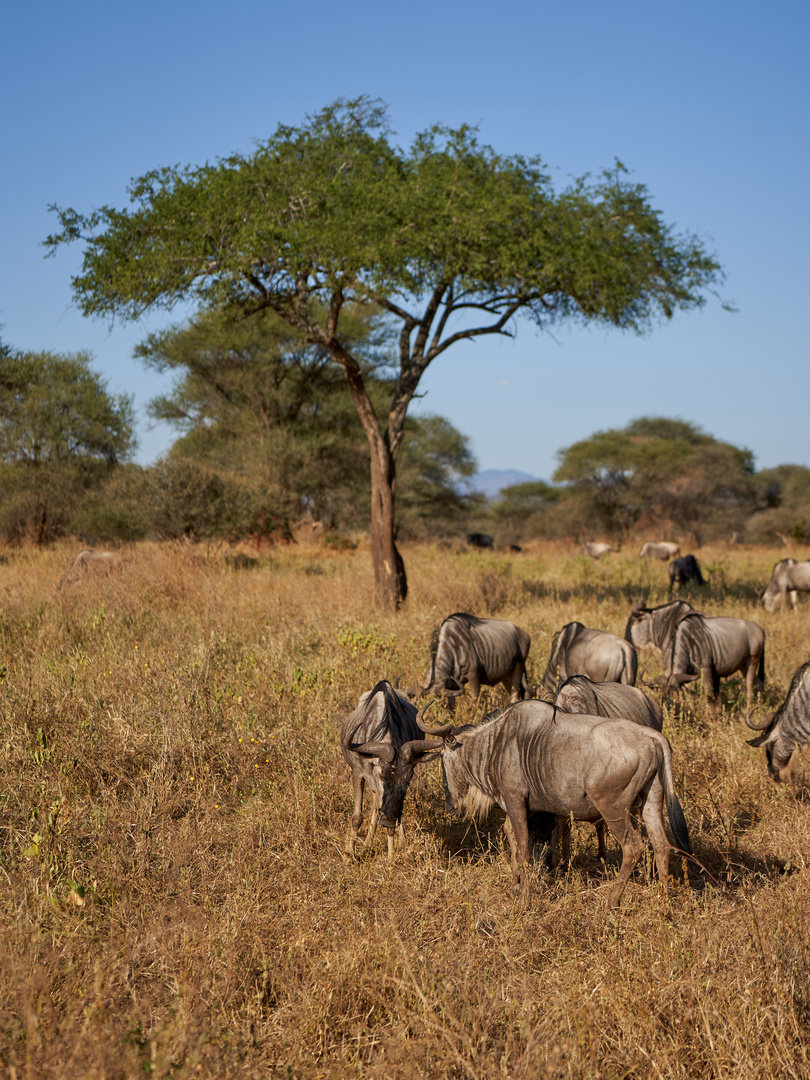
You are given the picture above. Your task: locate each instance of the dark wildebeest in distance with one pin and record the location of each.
(382, 744)
(533, 758)
(659, 549)
(593, 549)
(785, 732)
(478, 652)
(685, 570)
(788, 576)
(695, 645)
(614, 701)
(480, 540)
(578, 650)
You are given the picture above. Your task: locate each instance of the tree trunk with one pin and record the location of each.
(390, 582)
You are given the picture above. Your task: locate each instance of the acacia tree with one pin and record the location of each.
(664, 469)
(259, 406)
(449, 238)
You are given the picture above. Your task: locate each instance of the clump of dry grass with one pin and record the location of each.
(174, 806)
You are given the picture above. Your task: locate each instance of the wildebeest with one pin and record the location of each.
(616, 701)
(534, 758)
(480, 540)
(466, 649)
(684, 570)
(612, 700)
(594, 549)
(695, 645)
(90, 561)
(578, 650)
(382, 745)
(788, 576)
(787, 730)
(659, 549)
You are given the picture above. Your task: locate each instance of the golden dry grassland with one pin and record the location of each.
(174, 805)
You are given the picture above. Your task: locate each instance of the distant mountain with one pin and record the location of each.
(490, 482)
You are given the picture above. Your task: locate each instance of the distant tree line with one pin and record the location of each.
(663, 476)
(268, 437)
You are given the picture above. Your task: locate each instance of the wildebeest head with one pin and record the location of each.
(637, 631)
(393, 772)
(459, 794)
(778, 763)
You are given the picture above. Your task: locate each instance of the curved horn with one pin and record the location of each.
(639, 605)
(415, 747)
(453, 693)
(439, 732)
(383, 750)
(395, 681)
(759, 727)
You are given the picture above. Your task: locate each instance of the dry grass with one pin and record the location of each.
(174, 806)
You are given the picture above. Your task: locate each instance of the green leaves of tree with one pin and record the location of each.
(61, 432)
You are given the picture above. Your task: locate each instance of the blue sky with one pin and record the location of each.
(707, 104)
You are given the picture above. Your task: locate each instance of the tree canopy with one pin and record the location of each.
(266, 411)
(61, 432)
(667, 471)
(448, 238)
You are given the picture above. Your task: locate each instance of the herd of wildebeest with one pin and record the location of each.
(592, 750)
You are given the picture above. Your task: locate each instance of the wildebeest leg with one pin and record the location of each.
(600, 840)
(390, 836)
(794, 598)
(653, 817)
(474, 683)
(372, 828)
(358, 784)
(518, 835)
(618, 820)
(711, 684)
(400, 835)
(750, 679)
(513, 683)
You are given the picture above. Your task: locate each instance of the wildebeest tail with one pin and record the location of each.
(761, 668)
(677, 821)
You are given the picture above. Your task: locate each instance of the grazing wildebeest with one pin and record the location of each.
(616, 701)
(595, 550)
(695, 645)
(612, 700)
(659, 549)
(479, 540)
(787, 730)
(382, 745)
(465, 649)
(533, 758)
(89, 561)
(577, 650)
(788, 576)
(684, 570)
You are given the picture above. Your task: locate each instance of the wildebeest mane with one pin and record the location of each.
(663, 621)
(381, 728)
(798, 694)
(492, 716)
